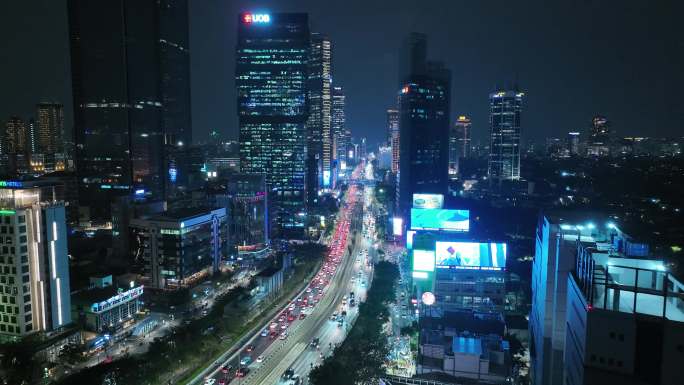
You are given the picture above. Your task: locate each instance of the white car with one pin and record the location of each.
(209, 381)
(260, 359)
(283, 335)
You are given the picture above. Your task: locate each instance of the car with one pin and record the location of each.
(284, 326)
(288, 374)
(246, 360)
(264, 333)
(283, 335)
(273, 335)
(260, 359)
(209, 381)
(250, 348)
(241, 372)
(302, 316)
(281, 319)
(223, 381)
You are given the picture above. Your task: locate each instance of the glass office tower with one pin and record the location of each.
(423, 124)
(340, 133)
(459, 145)
(131, 87)
(271, 78)
(319, 138)
(504, 149)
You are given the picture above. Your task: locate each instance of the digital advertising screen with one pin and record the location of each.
(428, 201)
(423, 260)
(397, 225)
(440, 219)
(409, 239)
(487, 256)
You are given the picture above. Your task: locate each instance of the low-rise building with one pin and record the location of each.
(105, 307)
(464, 344)
(179, 248)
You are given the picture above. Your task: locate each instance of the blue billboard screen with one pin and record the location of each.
(440, 219)
(470, 255)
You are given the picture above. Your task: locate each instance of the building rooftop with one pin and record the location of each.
(612, 280)
(94, 295)
(181, 214)
(269, 272)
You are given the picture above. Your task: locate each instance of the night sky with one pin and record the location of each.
(573, 59)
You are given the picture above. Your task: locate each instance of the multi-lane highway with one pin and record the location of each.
(285, 342)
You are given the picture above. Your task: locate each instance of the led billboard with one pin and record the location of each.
(487, 256)
(409, 239)
(428, 201)
(440, 219)
(423, 260)
(397, 225)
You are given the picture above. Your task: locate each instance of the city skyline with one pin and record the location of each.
(334, 193)
(560, 83)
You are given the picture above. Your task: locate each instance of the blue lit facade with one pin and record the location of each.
(504, 149)
(271, 80)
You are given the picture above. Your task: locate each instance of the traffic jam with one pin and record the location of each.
(299, 308)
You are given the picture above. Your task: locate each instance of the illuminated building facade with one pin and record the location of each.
(341, 135)
(179, 248)
(131, 86)
(50, 128)
(573, 143)
(600, 137)
(271, 80)
(319, 137)
(424, 125)
(34, 266)
(504, 121)
(393, 136)
(106, 308)
(459, 144)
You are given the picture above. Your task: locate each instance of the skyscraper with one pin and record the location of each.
(271, 80)
(50, 128)
(32, 136)
(35, 260)
(459, 144)
(504, 121)
(423, 124)
(339, 130)
(130, 74)
(14, 138)
(573, 143)
(319, 138)
(600, 137)
(393, 136)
